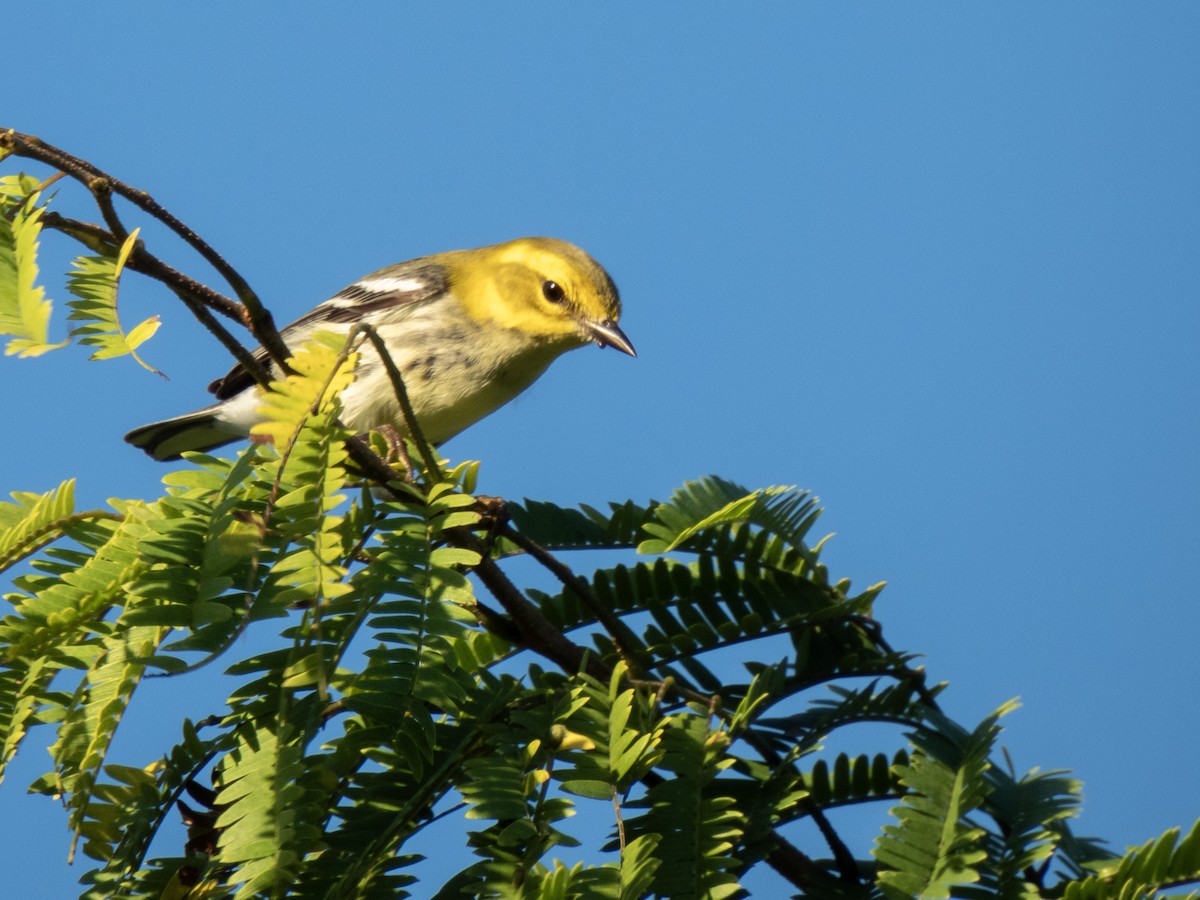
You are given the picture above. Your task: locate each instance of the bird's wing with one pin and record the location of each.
(392, 290)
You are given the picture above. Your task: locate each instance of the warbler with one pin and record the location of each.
(468, 329)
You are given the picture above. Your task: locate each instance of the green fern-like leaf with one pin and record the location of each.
(696, 823)
(410, 597)
(132, 805)
(632, 752)
(638, 867)
(33, 521)
(319, 374)
(626, 731)
(22, 688)
(1164, 863)
(1030, 811)
(57, 624)
(24, 309)
(61, 606)
(259, 796)
(557, 528)
(898, 703)
(854, 779)
(94, 283)
(769, 526)
(700, 507)
(930, 849)
(90, 726)
(301, 419)
(934, 846)
(210, 555)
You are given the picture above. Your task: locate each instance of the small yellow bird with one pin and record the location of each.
(468, 329)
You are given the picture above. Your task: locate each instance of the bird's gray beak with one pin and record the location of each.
(607, 334)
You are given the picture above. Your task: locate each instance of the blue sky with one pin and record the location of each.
(937, 262)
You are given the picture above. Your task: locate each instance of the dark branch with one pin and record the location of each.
(198, 298)
(101, 189)
(625, 641)
(252, 313)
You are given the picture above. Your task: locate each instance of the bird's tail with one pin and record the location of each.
(199, 430)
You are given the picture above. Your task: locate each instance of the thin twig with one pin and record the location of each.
(628, 646)
(796, 866)
(32, 147)
(620, 821)
(916, 676)
(245, 358)
(101, 189)
(536, 632)
(499, 625)
(141, 260)
(846, 863)
(432, 469)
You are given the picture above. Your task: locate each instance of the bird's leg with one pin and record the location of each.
(397, 452)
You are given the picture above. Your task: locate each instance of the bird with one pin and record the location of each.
(469, 330)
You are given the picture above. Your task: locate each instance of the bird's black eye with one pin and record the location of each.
(553, 292)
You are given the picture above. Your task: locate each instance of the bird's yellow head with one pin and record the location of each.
(543, 287)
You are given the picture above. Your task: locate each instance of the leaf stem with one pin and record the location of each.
(433, 471)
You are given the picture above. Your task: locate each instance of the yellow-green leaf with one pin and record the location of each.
(95, 282)
(24, 308)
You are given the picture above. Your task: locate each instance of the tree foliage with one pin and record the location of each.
(399, 676)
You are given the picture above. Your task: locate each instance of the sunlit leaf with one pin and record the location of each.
(95, 282)
(24, 308)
